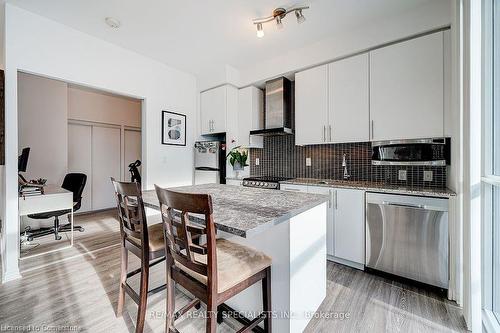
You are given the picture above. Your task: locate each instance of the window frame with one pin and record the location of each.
(489, 181)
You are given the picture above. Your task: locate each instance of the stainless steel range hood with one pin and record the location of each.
(278, 108)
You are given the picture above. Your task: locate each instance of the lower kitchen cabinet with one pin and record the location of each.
(345, 231)
(330, 216)
(349, 222)
(235, 182)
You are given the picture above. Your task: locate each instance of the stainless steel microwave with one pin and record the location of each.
(430, 152)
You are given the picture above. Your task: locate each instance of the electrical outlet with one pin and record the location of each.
(257, 161)
(428, 176)
(402, 175)
(308, 161)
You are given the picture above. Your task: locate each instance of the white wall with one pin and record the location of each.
(43, 126)
(37, 45)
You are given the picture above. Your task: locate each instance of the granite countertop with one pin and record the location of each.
(245, 211)
(374, 187)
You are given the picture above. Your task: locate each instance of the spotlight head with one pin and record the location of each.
(260, 30)
(300, 17)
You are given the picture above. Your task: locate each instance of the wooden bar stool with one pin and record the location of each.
(134, 233)
(213, 272)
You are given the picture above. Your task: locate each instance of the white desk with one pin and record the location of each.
(54, 198)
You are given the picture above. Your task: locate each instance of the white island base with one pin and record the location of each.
(298, 250)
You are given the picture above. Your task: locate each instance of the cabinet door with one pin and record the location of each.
(80, 157)
(250, 116)
(311, 106)
(234, 182)
(106, 154)
(349, 113)
(293, 188)
(213, 110)
(330, 236)
(406, 89)
(349, 210)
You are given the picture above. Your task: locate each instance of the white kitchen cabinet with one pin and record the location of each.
(332, 102)
(213, 110)
(234, 182)
(250, 116)
(345, 231)
(311, 106)
(349, 230)
(348, 106)
(330, 236)
(293, 188)
(406, 89)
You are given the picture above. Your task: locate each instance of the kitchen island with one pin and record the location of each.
(290, 228)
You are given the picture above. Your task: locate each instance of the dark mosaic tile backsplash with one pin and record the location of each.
(280, 157)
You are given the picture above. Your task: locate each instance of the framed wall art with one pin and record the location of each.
(173, 128)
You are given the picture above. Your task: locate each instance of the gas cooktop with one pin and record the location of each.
(269, 182)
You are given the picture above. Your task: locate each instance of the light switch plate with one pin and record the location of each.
(428, 176)
(402, 175)
(257, 161)
(308, 161)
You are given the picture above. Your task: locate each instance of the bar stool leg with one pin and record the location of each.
(123, 280)
(169, 324)
(266, 300)
(211, 315)
(143, 296)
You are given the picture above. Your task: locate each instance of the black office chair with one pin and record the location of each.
(74, 182)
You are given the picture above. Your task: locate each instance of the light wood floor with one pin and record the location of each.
(78, 287)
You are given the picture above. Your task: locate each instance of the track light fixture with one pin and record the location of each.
(278, 15)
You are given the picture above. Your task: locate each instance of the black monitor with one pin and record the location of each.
(22, 161)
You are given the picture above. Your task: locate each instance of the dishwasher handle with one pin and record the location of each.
(406, 205)
(414, 206)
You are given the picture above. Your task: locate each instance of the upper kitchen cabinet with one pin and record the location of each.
(406, 89)
(332, 102)
(349, 110)
(215, 105)
(250, 116)
(311, 106)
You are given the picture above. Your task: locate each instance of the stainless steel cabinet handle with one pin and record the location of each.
(324, 133)
(330, 198)
(330, 128)
(336, 195)
(373, 135)
(291, 189)
(213, 125)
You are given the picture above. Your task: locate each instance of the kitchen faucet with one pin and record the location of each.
(344, 165)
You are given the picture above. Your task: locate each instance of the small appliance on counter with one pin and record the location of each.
(268, 182)
(209, 162)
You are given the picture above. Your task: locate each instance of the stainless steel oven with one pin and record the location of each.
(431, 152)
(408, 236)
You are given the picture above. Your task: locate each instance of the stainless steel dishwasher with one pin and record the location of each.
(408, 236)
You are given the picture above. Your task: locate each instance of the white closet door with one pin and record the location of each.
(80, 158)
(106, 156)
(132, 151)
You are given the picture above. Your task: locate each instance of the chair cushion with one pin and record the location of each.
(155, 235)
(235, 263)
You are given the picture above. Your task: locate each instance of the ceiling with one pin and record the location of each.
(193, 35)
